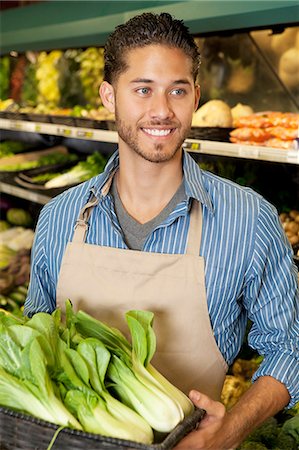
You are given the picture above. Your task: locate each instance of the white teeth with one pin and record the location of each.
(155, 132)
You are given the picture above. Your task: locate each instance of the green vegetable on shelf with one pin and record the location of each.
(8, 148)
(45, 160)
(291, 428)
(82, 171)
(19, 217)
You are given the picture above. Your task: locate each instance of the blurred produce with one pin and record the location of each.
(290, 223)
(15, 248)
(30, 87)
(19, 217)
(4, 225)
(283, 41)
(14, 299)
(288, 68)
(8, 105)
(242, 78)
(214, 113)
(270, 129)
(47, 75)
(6, 255)
(16, 238)
(240, 110)
(8, 148)
(276, 433)
(17, 78)
(4, 77)
(48, 157)
(91, 73)
(272, 435)
(69, 82)
(89, 112)
(244, 368)
(233, 388)
(82, 171)
(16, 272)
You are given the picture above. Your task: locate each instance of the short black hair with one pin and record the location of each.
(147, 29)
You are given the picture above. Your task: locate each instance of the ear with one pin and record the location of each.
(197, 96)
(106, 92)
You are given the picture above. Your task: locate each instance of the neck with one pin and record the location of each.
(145, 188)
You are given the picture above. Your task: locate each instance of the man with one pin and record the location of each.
(156, 232)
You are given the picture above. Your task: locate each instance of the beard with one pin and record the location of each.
(157, 152)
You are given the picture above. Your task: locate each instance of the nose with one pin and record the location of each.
(160, 107)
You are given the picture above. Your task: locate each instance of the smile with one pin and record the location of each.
(156, 132)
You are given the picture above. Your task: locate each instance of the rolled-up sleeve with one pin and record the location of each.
(272, 300)
(41, 292)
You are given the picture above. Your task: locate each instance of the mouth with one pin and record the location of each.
(158, 132)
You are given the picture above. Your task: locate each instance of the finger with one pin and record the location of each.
(211, 407)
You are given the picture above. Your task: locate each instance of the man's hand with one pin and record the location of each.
(209, 430)
(224, 430)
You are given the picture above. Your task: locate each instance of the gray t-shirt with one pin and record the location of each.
(134, 232)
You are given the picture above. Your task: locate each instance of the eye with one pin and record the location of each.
(143, 90)
(178, 91)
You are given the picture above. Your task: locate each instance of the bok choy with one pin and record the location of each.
(80, 373)
(136, 382)
(25, 383)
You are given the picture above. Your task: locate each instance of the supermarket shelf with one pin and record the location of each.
(59, 130)
(193, 145)
(242, 151)
(16, 191)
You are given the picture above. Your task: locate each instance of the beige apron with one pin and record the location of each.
(106, 282)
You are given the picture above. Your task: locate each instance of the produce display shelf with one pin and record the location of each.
(242, 151)
(8, 186)
(59, 130)
(193, 145)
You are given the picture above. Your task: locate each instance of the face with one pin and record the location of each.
(153, 102)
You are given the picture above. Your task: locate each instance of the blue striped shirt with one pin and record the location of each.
(249, 268)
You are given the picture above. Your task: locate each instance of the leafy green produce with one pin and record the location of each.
(82, 171)
(29, 87)
(137, 383)
(8, 148)
(25, 383)
(41, 374)
(44, 160)
(271, 435)
(4, 77)
(4, 225)
(19, 217)
(291, 427)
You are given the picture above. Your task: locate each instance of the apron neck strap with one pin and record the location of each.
(81, 225)
(82, 222)
(195, 228)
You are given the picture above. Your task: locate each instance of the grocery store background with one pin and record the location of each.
(52, 120)
(51, 66)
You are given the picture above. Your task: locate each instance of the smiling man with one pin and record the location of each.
(156, 232)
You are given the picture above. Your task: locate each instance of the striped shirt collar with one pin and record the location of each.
(193, 176)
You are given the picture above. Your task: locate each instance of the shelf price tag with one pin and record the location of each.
(245, 152)
(192, 146)
(64, 131)
(84, 134)
(14, 125)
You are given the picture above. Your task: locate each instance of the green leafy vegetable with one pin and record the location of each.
(25, 383)
(45, 160)
(137, 383)
(82, 171)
